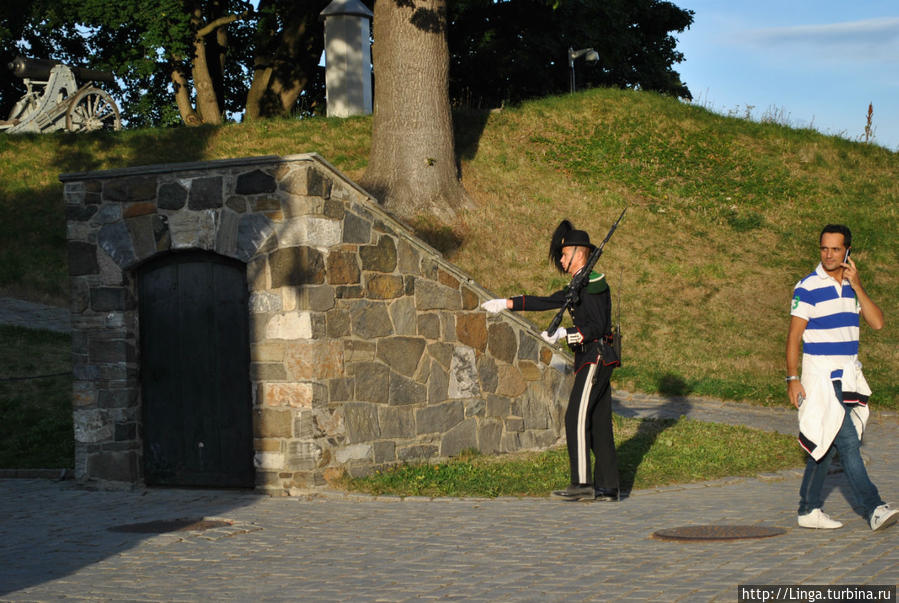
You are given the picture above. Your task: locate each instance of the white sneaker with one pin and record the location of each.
(819, 520)
(883, 517)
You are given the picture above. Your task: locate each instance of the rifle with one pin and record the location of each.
(573, 293)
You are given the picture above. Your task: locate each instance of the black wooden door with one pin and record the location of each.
(195, 362)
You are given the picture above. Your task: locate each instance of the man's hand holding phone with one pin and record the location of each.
(850, 271)
(795, 392)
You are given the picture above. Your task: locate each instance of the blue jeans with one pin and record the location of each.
(847, 444)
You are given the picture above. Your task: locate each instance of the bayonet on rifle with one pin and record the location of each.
(580, 279)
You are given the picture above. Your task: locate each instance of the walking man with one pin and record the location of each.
(832, 393)
(588, 418)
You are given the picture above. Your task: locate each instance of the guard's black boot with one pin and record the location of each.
(575, 492)
(607, 494)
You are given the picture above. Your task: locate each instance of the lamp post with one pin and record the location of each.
(590, 56)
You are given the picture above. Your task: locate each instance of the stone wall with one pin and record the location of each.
(367, 347)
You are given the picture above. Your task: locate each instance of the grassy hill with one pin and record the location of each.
(723, 220)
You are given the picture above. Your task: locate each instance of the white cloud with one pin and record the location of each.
(868, 41)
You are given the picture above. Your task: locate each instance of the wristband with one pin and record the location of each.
(792, 378)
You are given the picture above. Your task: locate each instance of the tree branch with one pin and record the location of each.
(220, 22)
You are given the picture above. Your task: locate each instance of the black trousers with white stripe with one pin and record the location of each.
(588, 427)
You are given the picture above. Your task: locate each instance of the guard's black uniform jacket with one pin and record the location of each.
(592, 316)
(588, 417)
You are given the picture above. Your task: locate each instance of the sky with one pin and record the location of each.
(803, 63)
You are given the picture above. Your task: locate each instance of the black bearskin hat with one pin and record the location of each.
(566, 236)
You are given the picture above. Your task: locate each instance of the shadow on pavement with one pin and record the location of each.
(632, 451)
(50, 530)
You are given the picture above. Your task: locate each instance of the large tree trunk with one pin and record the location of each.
(182, 98)
(273, 91)
(217, 59)
(412, 166)
(262, 75)
(207, 104)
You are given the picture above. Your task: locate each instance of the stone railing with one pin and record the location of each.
(367, 348)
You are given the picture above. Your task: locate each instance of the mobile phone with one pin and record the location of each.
(846, 257)
(799, 400)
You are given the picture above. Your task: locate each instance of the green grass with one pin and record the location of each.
(35, 399)
(723, 220)
(651, 452)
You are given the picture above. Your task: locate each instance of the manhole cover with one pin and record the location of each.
(162, 526)
(717, 533)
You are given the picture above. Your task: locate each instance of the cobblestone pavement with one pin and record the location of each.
(56, 540)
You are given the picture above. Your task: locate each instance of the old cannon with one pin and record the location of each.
(60, 97)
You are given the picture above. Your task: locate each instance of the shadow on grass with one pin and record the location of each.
(632, 451)
(110, 150)
(439, 236)
(36, 429)
(468, 127)
(33, 240)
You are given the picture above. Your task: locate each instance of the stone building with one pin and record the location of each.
(262, 323)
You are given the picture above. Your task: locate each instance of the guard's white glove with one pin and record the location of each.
(575, 338)
(552, 339)
(494, 306)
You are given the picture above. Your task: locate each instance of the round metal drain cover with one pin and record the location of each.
(717, 533)
(162, 526)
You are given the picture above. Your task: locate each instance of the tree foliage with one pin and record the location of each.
(510, 50)
(199, 61)
(213, 58)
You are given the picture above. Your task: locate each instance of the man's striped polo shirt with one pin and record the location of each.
(832, 312)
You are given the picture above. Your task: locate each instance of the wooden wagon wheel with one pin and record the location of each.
(92, 109)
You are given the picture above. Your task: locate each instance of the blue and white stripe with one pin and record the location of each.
(832, 312)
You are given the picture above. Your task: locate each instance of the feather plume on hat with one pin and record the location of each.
(566, 236)
(555, 244)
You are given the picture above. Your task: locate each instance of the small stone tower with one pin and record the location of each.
(348, 58)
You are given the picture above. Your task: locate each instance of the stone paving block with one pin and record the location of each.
(56, 541)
